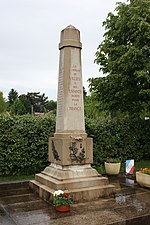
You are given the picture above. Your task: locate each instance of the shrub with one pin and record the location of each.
(24, 141)
(124, 139)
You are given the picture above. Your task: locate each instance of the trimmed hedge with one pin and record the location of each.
(24, 141)
(124, 139)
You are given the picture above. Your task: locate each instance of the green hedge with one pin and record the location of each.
(24, 141)
(124, 139)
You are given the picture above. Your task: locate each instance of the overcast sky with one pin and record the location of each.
(29, 38)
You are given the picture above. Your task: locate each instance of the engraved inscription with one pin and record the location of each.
(75, 89)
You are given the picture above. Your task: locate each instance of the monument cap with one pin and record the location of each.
(70, 27)
(70, 37)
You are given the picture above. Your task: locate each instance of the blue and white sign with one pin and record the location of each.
(130, 166)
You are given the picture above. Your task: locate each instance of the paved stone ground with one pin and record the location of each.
(130, 206)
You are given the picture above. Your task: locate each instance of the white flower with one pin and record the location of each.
(58, 192)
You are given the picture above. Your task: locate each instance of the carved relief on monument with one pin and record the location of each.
(77, 150)
(70, 150)
(77, 154)
(55, 152)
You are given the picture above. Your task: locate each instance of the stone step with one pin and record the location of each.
(43, 191)
(14, 192)
(14, 185)
(79, 194)
(93, 192)
(70, 172)
(71, 183)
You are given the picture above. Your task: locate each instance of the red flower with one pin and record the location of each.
(66, 195)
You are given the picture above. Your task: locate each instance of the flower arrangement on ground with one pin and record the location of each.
(145, 170)
(62, 198)
(143, 177)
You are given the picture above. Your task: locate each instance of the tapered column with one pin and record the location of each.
(70, 107)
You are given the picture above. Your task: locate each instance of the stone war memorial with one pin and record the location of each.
(70, 151)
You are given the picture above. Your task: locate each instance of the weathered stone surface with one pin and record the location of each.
(70, 150)
(70, 108)
(82, 181)
(130, 205)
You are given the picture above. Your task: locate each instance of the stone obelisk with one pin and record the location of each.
(70, 145)
(70, 110)
(70, 150)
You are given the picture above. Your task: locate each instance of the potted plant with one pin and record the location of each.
(112, 166)
(143, 177)
(62, 201)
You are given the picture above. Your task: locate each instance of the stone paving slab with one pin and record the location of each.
(130, 206)
(27, 206)
(6, 220)
(19, 198)
(18, 191)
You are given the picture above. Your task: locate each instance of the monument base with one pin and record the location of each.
(82, 181)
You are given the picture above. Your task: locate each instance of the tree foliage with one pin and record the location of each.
(12, 96)
(37, 101)
(3, 104)
(124, 58)
(27, 103)
(21, 106)
(51, 106)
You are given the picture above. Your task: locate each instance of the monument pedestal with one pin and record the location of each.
(71, 157)
(70, 149)
(82, 181)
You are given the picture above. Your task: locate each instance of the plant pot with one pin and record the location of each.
(112, 168)
(62, 208)
(143, 179)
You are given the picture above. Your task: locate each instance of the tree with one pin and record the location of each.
(84, 92)
(3, 104)
(18, 108)
(92, 108)
(37, 101)
(123, 57)
(51, 106)
(25, 101)
(12, 96)
(21, 106)
(40, 106)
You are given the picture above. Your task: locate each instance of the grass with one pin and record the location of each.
(16, 178)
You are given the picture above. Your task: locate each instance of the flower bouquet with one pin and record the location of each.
(62, 201)
(145, 170)
(143, 177)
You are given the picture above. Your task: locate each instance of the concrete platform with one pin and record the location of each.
(130, 206)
